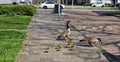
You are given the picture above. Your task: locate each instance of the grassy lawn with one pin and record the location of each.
(10, 43)
(16, 22)
(94, 8)
(118, 14)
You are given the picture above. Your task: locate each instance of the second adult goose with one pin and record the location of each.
(91, 39)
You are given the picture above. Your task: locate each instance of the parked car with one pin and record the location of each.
(49, 4)
(115, 5)
(98, 4)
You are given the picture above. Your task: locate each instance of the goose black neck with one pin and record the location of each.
(67, 25)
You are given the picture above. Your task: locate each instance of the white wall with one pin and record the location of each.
(93, 1)
(28, 1)
(11, 1)
(107, 1)
(104, 1)
(118, 1)
(5, 1)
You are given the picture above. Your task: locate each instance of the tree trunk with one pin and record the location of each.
(62, 1)
(66, 2)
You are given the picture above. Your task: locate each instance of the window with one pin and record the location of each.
(99, 0)
(49, 3)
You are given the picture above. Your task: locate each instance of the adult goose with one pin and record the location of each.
(91, 39)
(66, 32)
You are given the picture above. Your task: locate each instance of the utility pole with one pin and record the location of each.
(111, 6)
(66, 2)
(62, 1)
(72, 3)
(59, 9)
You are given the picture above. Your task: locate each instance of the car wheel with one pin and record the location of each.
(94, 6)
(45, 7)
(102, 6)
(61, 7)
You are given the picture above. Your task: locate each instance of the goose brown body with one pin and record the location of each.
(66, 32)
(91, 39)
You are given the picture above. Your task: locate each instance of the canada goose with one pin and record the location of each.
(47, 49)
(91, 39)
(66, 32)
(58, 47)
(69, 41)
(72, 47)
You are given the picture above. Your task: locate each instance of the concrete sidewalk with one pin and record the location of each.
(42, 32)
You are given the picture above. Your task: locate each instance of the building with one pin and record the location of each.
(14, 1)
(106, 1)
(77, 2)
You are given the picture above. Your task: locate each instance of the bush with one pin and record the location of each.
(5, 9)
(24, 10)
(18, 9)
(87, 4)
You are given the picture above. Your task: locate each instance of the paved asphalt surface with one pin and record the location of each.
(43, 31)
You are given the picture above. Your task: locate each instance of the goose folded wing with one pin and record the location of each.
(64, 33)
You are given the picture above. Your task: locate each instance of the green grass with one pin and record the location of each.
(117, 15)
(94, 8)
(16, 22)
(10, 43)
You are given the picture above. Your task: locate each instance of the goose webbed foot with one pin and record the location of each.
(82, 40)
(60, 38)
(90, 43)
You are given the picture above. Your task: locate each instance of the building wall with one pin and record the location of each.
(11, 1)
(104, 1)
(107, 1)
(5, 1)
(118, 1)
(28, 1)
(93, 1)
(80, 1)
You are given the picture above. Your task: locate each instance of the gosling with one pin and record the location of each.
(47, 49)
(59, 47)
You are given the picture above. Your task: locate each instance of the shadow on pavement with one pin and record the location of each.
(110, 57)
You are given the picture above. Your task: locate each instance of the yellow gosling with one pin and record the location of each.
(59, 47)
(47, 49)
(69, 41)
(68, 45)
(72, 47)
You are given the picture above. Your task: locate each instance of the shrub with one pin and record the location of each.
(87, 4)
(5, 9)
(24, 10)
(18, 9)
